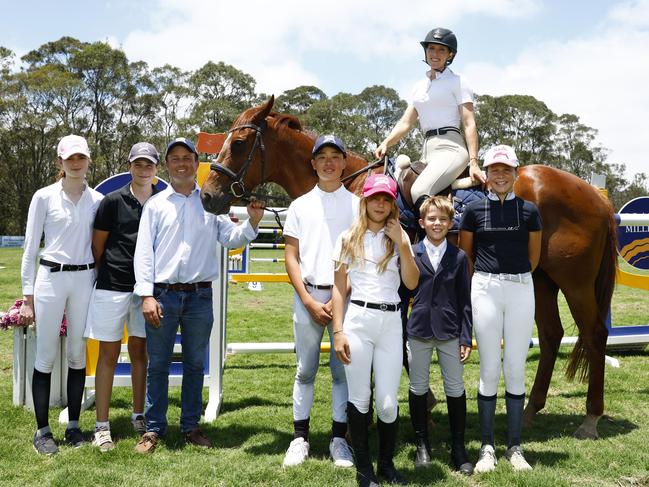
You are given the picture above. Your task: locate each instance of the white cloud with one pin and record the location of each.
(602, 78)
(266, 37)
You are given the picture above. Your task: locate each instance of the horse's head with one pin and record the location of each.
(241, 164)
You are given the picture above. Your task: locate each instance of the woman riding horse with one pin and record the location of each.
(440, 102)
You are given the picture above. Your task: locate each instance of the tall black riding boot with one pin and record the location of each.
(420, 425)
(357, 425)
(387, 445)
(457, 421)
(515, 407)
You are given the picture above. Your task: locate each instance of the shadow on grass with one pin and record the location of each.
(254, 401)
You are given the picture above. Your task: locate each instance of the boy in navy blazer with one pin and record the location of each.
(440, 319)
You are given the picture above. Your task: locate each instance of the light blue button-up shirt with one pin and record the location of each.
(177, 241)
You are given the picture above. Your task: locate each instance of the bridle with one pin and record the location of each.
(237, 187)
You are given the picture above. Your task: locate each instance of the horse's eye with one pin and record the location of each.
(237, 146)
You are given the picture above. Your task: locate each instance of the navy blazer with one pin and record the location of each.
(442, 300)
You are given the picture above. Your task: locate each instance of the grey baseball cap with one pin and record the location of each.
(144, 150)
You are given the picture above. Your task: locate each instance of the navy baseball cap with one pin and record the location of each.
(144, 150)
(328, 140)
(184, 142)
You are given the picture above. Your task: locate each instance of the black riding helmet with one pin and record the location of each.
(444, 37)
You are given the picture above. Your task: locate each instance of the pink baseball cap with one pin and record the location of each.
(503, 154)
(72, 144)
(380, 183)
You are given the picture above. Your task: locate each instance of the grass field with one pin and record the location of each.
(255, 425)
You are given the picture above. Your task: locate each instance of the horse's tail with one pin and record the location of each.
(604, 285)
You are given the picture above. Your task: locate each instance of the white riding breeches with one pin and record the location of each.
(502, 310)
(308, 336)
(375, 342)
(56, 293)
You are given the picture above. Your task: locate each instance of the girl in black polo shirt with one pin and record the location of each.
(502, 236)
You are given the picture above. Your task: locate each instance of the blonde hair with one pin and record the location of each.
(442, 203)
(353, 248)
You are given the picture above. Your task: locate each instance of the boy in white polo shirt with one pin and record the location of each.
(313, 223)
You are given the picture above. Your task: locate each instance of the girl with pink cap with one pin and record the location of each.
(374, 254)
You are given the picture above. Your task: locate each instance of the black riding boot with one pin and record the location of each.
(457, 420)
(357, 425)
(420, 425)
(387, 445)
(515, 407)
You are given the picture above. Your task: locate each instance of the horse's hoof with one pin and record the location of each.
(584, 433)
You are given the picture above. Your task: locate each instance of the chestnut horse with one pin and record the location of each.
(578, 254)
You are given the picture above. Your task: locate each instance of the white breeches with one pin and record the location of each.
(502, 310)
(56, 293)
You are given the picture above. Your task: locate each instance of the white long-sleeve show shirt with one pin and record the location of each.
(177, 239)
(67, 227)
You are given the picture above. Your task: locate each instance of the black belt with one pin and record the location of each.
(442, 131)
(318, 286)
(381, 306)
(56, 267)
(182, 286)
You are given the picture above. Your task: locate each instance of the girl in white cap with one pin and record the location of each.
(375, 254)
(501, 235)
(442, 102)
(64, 212)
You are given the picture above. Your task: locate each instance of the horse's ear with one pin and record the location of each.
(262, 111)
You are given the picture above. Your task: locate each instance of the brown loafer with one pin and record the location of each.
(198, 438)
(147, 443)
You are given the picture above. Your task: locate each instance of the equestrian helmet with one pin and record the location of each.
(444, 37)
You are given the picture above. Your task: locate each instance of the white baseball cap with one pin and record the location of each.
(501, 154)
(72, 144)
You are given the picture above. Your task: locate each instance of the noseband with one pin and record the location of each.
(238, 188)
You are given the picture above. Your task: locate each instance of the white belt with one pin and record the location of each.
(521, 278)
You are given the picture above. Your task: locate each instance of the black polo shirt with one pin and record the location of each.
(501, 233)
(118, 213)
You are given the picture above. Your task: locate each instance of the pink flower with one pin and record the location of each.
(12, 318)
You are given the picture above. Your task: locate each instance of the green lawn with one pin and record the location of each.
(255, 425)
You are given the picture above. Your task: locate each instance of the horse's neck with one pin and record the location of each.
(293, 170)
(355, 163)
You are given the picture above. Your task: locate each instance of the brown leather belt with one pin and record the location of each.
(182, 286)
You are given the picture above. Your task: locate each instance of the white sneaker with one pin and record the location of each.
(340, 453)
(297, 452)
(515, 456)
(486, 460)
(103, 440)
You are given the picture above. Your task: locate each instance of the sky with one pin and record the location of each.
(586, 57)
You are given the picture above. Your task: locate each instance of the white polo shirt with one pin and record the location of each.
(437, 101)
(177, 240)
(316, 219)
(367, 283)
(67, 227)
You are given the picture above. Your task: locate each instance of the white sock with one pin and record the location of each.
(102, 424)
(43, 431)
(135, 415)
(72, 424)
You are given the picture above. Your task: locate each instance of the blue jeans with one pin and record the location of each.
(192, 311)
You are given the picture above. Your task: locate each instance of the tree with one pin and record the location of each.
(298, 100)
(523, 122)
(220, 92)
